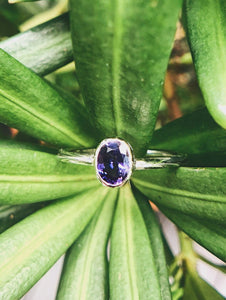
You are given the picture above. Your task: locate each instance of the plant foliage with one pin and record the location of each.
(114, 244)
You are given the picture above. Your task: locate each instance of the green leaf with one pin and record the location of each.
(29, 104)
(121, 71)
(18, 1)
(135, 271)
(156, 241)
(43, 48)
(31, 247)
(206, 30)
(28, 174)
(198, 192)
(209, 234)
(65, 80)
(85, 272)
(194, 198)
(194, 133)
(11, 214)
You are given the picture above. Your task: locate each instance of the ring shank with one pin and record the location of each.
(81, 157)
(153, 159)
(159, 159)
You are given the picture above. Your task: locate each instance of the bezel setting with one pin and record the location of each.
(114, 162)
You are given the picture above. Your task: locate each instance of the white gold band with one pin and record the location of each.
(114, 160)
(154, 159)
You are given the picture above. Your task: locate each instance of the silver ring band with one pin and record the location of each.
(114, 160)
(81, 157)
(154, 159)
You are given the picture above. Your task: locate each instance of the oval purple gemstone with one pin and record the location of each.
(114, 162)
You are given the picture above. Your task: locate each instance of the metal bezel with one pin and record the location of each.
(131, 161)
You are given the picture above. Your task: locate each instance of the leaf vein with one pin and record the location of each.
(181, 192)
(40, 118)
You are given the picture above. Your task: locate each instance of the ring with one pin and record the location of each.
(114, 160)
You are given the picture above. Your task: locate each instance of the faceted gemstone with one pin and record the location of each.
(114, 162)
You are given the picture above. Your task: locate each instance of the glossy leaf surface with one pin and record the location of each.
(134, 271)
(198, 195)
(156, 241)
(28, 174)
(194, 133)
(121, 62)
(197, 191)
(51, 46)
(210, 235)
(11, 214)
(29, 104)
(32, 246)
(206, 30)
(85, 272)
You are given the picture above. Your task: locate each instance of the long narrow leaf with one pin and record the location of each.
(210, 235)
(11, 214)
(193, 198)
(156, 242)
(43, 48)
(134, 273)
(85, 272)
(197, 192)
(28, 174)
(29, 104)
(121, 61)
(31, 247)
(206, 29)
(194, 133)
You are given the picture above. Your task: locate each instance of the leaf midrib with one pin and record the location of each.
(49, 123)
(130, 248)
(35, 241)
(89, 253)
(116, 63)
(181, 192)
(45, 178)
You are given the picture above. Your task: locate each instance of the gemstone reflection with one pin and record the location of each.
(114, 162)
